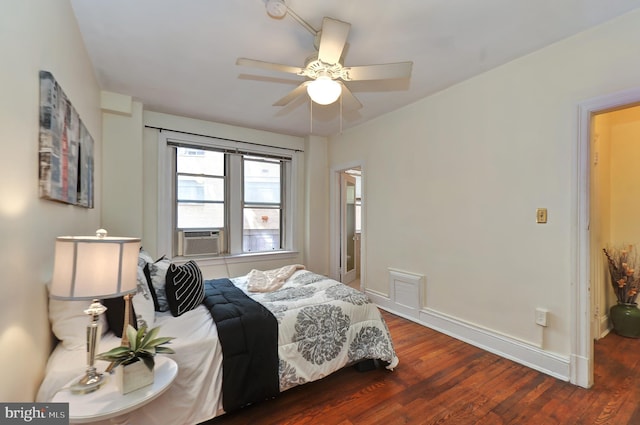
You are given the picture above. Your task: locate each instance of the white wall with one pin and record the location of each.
(35, 35)
(619, 136)
(316, 241)
(625, 184)
(455, 180)
(122, 209)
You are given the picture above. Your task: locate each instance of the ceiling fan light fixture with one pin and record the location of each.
(323, 90)
(276, 8)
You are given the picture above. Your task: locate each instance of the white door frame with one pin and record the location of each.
(346, 275)
(334, 219)
(581, 362)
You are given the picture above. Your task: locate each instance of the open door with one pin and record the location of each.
(348, 228)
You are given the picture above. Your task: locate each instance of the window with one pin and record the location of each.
(241, 192)
(200, 189)
(262, 209)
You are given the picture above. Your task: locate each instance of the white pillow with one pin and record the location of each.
(158, 274)
(69, 322)
(142, 302)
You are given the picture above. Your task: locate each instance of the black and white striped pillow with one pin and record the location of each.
(184, 287)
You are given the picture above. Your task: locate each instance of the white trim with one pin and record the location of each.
(406, 291)
(196, 141)
(234, 221)
(239, 258)
(502, 345)
(580, 324)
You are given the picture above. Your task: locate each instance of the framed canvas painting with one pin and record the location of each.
(65, 150)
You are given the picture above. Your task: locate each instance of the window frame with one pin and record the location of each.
(280, 205)
(167, 205)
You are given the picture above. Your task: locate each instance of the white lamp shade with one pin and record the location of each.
(88, 267)
(323, 90)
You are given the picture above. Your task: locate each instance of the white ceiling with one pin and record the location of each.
(179, 57)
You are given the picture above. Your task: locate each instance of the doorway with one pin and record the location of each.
(350, 228)
(347, 233)
(584, 293)
(615, 151)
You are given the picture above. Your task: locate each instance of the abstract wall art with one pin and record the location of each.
(66, 148)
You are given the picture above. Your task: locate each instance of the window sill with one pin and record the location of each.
(237, 258)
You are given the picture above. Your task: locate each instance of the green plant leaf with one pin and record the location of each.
(164, 350)
(132, 335)
(114, 352)
(143, 346)
(159, 341)
(150, 336)
(149, 362)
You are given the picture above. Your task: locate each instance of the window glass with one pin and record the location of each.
(262, 192)
(193, 215)
(261, 229)
(200, 189)
(261, 181)
(199, 161)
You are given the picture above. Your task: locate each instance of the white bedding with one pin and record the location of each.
(194, 395)
(323, 326)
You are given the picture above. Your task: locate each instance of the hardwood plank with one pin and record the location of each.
(441, 380)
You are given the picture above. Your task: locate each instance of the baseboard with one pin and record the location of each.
(604, 326)
(486, 339)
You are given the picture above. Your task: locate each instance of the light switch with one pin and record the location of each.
(541, 215)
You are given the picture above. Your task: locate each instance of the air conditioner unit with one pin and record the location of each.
(199, 242)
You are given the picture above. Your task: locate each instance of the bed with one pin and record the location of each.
(323, 326)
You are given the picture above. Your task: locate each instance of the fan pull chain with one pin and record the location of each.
(310, 116)
(341, 113)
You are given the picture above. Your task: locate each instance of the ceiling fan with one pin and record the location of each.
(325, 71)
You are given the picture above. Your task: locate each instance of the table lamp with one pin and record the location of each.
(94, 268)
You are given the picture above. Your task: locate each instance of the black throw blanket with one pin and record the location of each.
(248, 334)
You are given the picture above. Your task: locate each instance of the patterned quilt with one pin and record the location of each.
(324, 325)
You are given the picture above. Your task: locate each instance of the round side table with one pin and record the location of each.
(108, 403)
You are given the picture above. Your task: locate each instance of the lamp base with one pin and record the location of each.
(92, 380)
(88, 383)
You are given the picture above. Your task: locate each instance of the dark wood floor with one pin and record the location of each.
(444, 381)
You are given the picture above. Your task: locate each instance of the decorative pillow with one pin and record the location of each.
(144, 257)
(143, 303)
(69, 322)
(185, 287)
(158, 275)
(147, 275)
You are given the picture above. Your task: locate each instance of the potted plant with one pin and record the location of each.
(134, 362)
(625, 281)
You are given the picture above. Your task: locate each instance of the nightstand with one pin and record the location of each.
(108, 403)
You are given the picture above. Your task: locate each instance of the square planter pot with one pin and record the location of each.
(133, 376)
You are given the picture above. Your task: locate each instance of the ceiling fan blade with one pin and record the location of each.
(332, 40)
(380, 72)
(269, 65)
(298, 91)
(349, 101)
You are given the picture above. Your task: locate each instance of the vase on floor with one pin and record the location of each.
(626, 320)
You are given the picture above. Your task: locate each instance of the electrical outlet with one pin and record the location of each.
(541, 317)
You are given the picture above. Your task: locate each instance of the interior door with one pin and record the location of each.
(348, 228)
